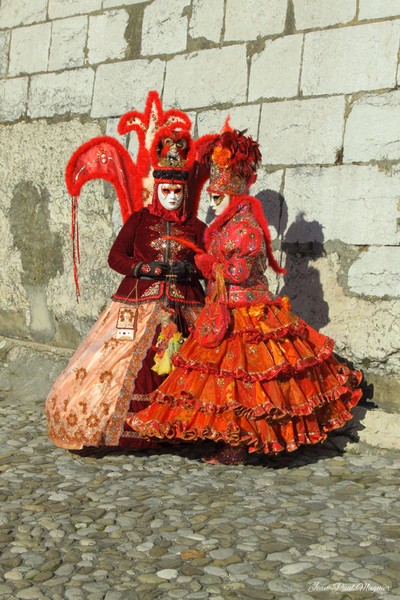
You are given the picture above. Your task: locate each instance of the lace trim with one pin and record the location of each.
(255, 441)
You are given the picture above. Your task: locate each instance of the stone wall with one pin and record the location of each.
(315, 81)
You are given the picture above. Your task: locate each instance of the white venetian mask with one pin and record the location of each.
(170, 195)
(219, 202)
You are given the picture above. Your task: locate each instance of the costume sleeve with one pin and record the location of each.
(239, 251)
(121, 257)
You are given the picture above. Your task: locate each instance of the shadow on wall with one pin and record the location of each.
(40, 251)
(302, 243)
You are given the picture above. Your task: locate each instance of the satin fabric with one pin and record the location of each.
(89, 402)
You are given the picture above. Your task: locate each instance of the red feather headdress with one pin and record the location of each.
(106, 158)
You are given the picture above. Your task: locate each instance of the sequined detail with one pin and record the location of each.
(174, 292)
(153, 290)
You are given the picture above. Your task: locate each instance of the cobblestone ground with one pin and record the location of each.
(320, 523)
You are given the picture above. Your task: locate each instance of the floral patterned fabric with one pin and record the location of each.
(89, 402)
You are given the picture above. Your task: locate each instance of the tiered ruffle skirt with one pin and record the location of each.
(272, 385)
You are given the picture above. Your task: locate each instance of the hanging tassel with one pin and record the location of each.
(76, 252)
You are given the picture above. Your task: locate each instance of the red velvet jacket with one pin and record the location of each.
(140, 240)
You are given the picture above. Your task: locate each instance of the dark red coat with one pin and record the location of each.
(141, 240)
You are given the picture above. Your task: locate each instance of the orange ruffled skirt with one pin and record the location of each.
(272, 385)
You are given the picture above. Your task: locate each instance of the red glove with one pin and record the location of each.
(204, 262)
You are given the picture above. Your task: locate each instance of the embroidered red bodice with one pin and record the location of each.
(141, 240)
(237, 241)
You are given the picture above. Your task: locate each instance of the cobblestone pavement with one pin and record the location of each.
(320, 523)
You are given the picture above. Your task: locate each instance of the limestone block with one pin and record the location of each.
(365, 332)
(373, 128)
(378, 9)
(20, 12)
(13, 94)
(354, 204)
(241, 117)
(346, 60)
(247, 20)
(126, 77)
(112, 3)
(377, 343)
(376, 272)
(43, 363)
(4, 45)
(106, 40)
(58, 93)
(380, 429)
(275, 71)
(322, 13)
(207, 19)
(164, 27)
(66, 8)
(29, 49)
(302, 131)
(207, 77)
(68, 40)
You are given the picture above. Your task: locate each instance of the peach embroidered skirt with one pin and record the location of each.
(89, 402)
(272, 384)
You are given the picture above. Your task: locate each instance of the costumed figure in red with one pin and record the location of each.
(127, 354)
(252, 376)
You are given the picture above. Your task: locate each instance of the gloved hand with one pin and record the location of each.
(204, 262)
(154, 270)
(182, 270)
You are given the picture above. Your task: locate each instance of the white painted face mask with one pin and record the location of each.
(170, 195)
(219, 202)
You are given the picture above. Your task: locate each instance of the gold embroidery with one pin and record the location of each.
(92, 421)
(175, 293)
(111, 343)
(160, 245)
(72, 419)
(153, 290)
(80, 374)
(229, 245)
(105, 377)
(105, 408)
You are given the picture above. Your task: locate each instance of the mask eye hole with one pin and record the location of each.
(217, 198)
